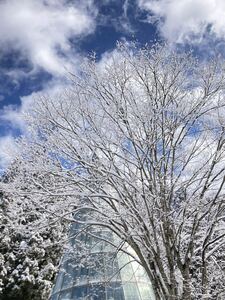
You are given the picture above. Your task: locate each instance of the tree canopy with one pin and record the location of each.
(139, 143)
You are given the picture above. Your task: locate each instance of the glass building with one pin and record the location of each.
(93, 269)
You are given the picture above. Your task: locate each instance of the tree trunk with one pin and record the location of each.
(186, 284)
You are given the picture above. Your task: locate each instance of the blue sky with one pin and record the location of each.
(41, 40)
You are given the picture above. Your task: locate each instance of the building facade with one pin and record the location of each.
(94, 269)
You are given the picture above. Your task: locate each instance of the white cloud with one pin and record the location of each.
(7, 151)
(41, 30)
(15, 115)
(187, 20)
(15, 118)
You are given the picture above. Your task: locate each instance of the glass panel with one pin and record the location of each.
(115, 292)
(54, 297)
(127, 273)
(68, 275)
(146, 291)
(79, 293)
(97, 292)
(139, 272)
(97, 271)
(94, 292)
(97, 246)
(112, 268)
(76, 274)
(131, 291)
(83, 273)
(65, 295)
(58, 283)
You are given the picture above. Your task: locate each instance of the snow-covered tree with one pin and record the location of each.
(29, 252)
(140, 140)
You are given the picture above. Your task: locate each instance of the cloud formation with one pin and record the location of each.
(7, 151)
(187, 20)
(41, 30)
(42, 34)
(15, 118)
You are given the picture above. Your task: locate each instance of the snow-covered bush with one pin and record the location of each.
(29, 250)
